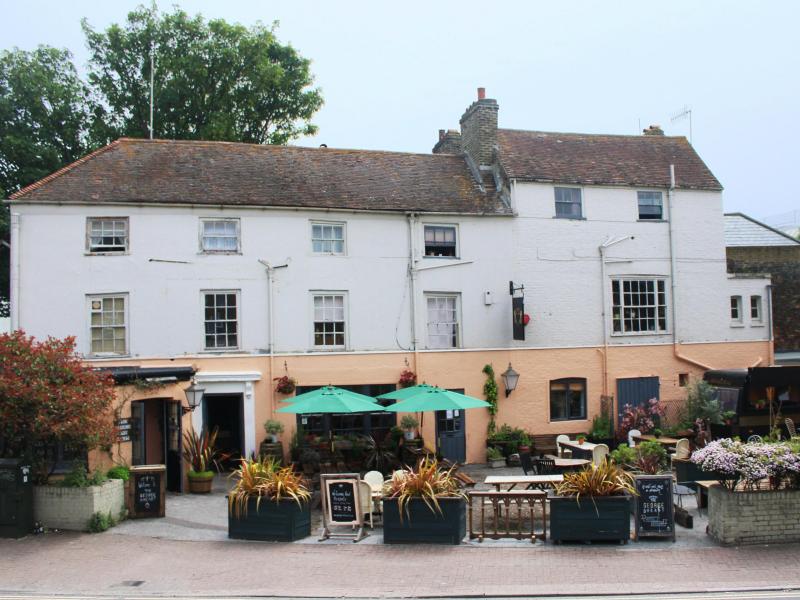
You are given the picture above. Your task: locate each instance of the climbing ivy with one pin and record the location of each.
(490, 391)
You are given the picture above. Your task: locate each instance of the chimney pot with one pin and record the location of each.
(653, 130)
(441, 134)
(481, 93)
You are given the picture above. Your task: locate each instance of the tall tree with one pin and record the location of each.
(213, 80)
(45, 114)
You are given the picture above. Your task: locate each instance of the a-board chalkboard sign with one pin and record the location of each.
(655, 511)
(146, 491)
(341, 505)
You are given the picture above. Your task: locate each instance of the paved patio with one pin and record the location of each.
(191, 517)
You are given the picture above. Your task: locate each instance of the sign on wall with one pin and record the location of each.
(518, 317)
(123, 429)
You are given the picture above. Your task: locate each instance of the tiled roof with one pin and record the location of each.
(641, 160)
(223, 173)
(741, 230)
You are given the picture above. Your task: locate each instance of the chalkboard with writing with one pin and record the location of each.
(655, 511)
(147, 493)
(342, 501)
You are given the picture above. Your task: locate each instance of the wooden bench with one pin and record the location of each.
(544, 444)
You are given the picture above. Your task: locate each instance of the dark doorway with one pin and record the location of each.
(225, 413)
(451, 438)
(156, 437)
(635, 391)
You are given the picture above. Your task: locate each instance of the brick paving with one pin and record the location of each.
(71, 563)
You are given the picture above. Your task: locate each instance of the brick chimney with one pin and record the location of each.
(653, 130)
(479, 129)
(449, 142)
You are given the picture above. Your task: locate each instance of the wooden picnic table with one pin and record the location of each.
(529, 481)
(568, 463)
(583, 450)
(664, 441)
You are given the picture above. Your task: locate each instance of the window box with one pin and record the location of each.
(283, 521)
(606, 518)
(421, 525)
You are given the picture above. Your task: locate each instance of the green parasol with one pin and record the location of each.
(326, 391)
(331, 400)
(433, 398)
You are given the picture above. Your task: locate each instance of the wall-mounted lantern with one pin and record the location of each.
(510, 379)
(194, 395)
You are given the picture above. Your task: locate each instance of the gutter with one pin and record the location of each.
(15, 264)
(271, 324)
(412, 287)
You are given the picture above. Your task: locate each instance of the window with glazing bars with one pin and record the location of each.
(442, 321)
(755, 308)
(639, 305)
(329, 321)
(107, 234)
(567, 399)
(736, 309)
(440, 240)
(327, 238)
(221, 320)
(108, 325)
(650, 205)
(220, 235)
(568, 203)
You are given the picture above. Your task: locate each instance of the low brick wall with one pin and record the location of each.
(762, 517)
(72, 508)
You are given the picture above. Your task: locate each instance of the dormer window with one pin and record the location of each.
(440, 241)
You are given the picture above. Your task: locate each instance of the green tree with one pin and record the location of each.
(213, 80)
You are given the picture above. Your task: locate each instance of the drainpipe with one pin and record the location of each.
(271, 323)
(412, 287)
(673, 275)
(602, 250)
(770, 333)
(14, 259)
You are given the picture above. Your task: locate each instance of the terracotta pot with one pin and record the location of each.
(200, 483)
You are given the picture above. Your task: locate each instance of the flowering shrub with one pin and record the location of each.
(407, 379)
(643, 417)
(751, 462)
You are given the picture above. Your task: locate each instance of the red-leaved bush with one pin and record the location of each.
(48, 396)
(643, 417)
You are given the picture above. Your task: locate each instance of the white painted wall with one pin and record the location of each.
(556, 259)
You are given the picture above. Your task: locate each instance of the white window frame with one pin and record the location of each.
(458, 323)
(639, 205)
(736, 307)
(238, 321)
(90, 309)
(107, 250)
(756, 305)
(323, 240)
(313, 294)
(580, 204)
(202, 235)
(456, 232)
(641, 278)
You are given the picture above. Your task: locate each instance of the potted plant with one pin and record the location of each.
(268, 502)
(285, 385)
(201, 453)
(407, 379)
(424, 504)
(274, 429)
(592, 504)
(581, 438)
(409, 425)
(657, 433)
(495, 458)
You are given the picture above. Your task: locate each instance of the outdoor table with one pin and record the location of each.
(664, 441)
(583, 450)
(565, 464)
(529, 481)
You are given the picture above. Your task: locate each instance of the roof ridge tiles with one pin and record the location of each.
(611, 135)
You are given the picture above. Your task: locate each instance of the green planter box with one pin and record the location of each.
(686, 473)
(420, 525)
(605, 518)
(284, 521)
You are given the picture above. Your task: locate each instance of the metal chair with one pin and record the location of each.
(631, 434)
(527, 463)
(545, 466)
(790, 427)
(755, 439)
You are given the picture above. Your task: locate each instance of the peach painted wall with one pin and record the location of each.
(527, 407)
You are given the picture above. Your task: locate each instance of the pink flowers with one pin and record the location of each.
(641, 417)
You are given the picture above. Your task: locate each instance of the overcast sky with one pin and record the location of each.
(392, 74)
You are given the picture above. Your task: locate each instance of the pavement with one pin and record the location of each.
(188, 554)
